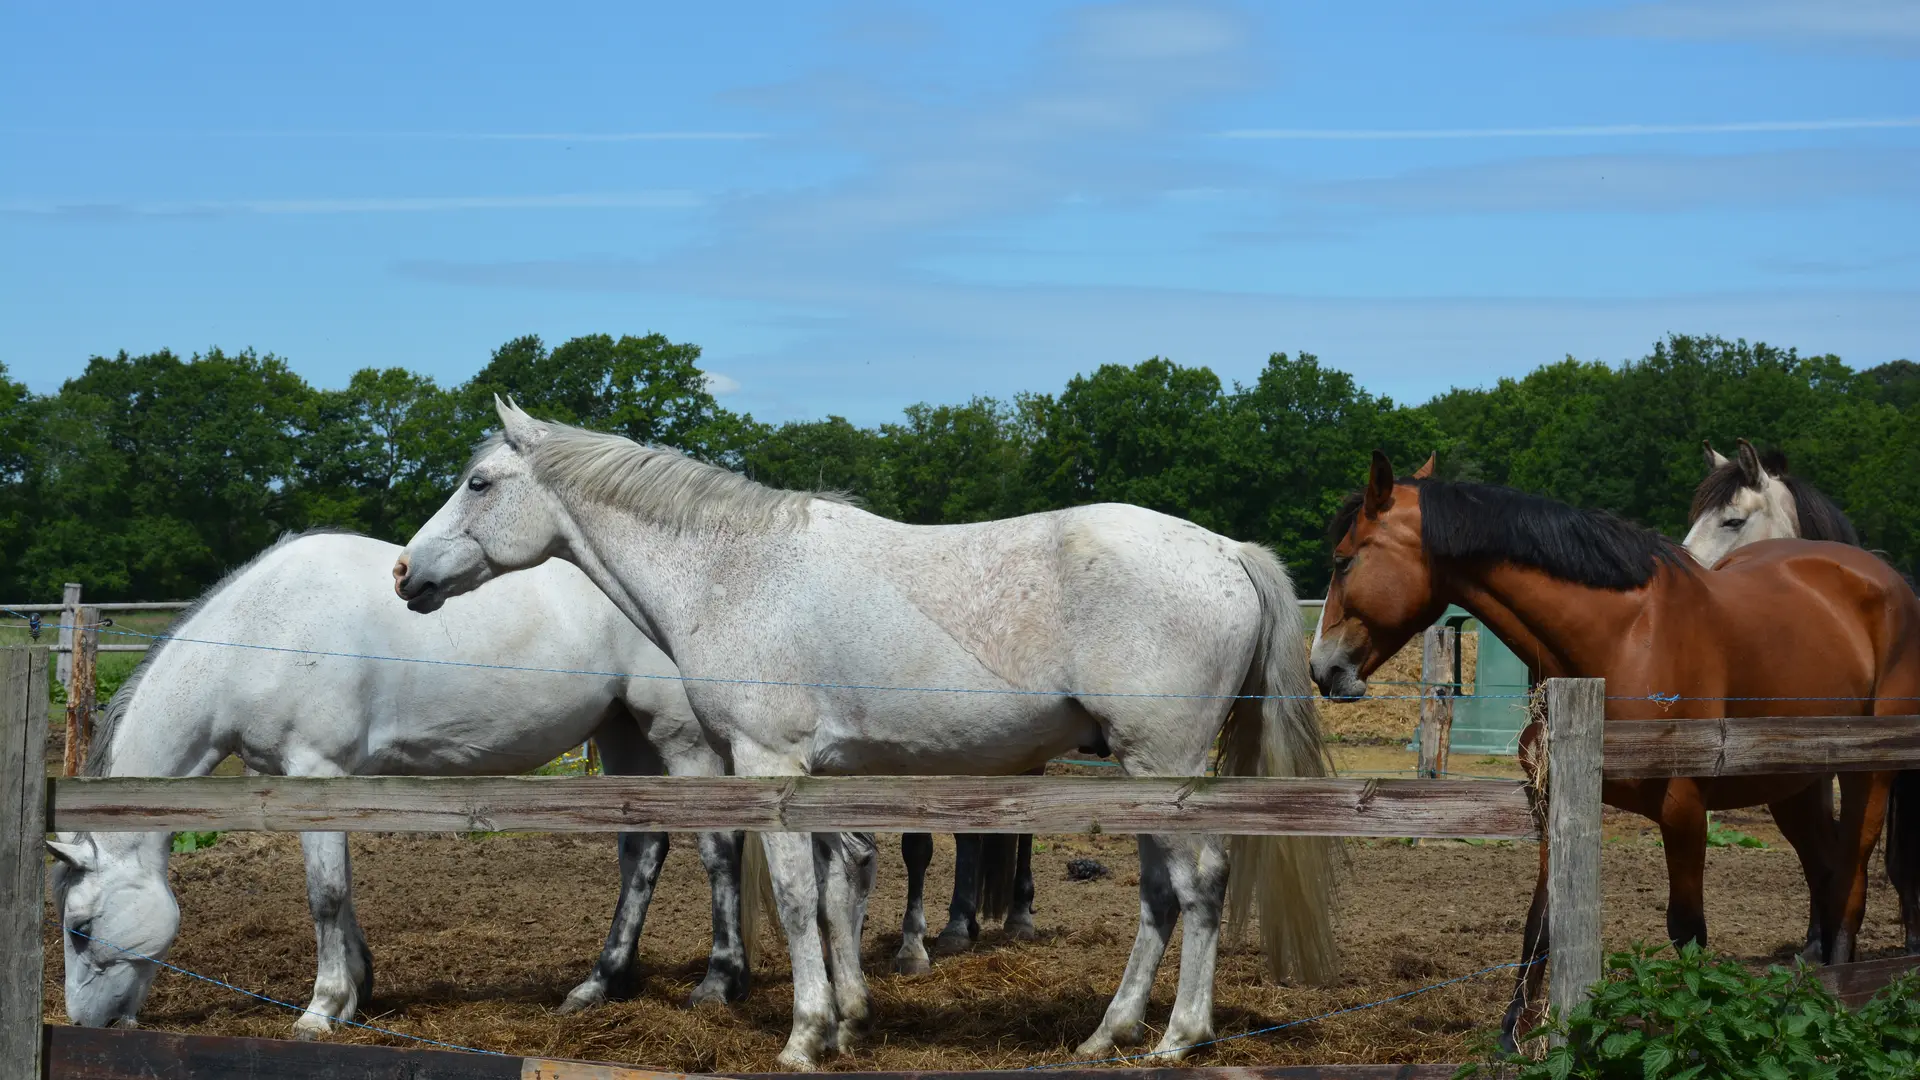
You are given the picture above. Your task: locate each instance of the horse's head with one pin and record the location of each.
(118, 916)
(501, 518)
(1382, 589)
(1740, 502)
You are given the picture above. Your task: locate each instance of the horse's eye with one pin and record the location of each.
(82, 934)
(1733, 523)
(477, 483)
(1341, 562)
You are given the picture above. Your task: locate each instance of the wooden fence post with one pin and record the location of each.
(69, 618)
(80, 688)
(23, 876)
(1437, 651)
(1576, 709)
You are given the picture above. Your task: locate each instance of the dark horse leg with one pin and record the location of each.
(916, 850)
(1806, 820)
(1020, 912)
(1903, 851)
(963, 922)
(1529, 1001)
(1682, 815)
(1863, 812)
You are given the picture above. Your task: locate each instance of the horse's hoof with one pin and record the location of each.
(847, 1037)
(952, 943)
(911, 965)
(1174, 1046)
(1022, 931)
(713, 989)
(794, 1061)
(587, 995)
(310, 1027)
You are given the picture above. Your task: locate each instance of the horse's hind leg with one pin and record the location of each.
(1159, 908)
(1806, 820)
(1863, 812)
(1528, 1001)
(845, 868)
(963, 912)
(1020, 912)
(729, 975)
(916, 850)
(1197, 869)
(1903, 851)
(343, 976)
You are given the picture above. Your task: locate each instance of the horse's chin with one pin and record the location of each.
(427, 602)
(1340, 684)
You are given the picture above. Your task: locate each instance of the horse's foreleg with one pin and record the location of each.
(916, 850)
(1683, 832)
(845, 867)
(1197, 869)
(1863, 812)
(614, 976)
(790, 862)
(343, 976)
(1020, 913)
(1159, 908)
(1806, 820)
(729, 974)
(1524, 1010)
(963, 913)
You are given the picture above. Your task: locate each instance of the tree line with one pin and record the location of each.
(147, 477)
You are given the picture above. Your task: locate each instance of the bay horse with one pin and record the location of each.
(813, 631)
(1783, 627)
(1752, 497)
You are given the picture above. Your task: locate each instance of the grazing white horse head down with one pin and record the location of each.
(1102, 625)
(287, 707)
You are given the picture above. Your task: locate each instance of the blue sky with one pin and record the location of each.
(855, 207)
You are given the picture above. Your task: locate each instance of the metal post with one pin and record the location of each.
(1576, 708)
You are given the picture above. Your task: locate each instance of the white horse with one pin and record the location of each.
(797, 606)
(299, 713)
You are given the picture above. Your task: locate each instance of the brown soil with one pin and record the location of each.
(475, 941)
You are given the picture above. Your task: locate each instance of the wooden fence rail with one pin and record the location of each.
(1581, 751)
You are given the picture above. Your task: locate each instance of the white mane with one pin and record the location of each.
(661, 484)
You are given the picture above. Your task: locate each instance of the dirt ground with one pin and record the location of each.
(476, 939)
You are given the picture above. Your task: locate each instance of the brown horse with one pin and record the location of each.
(1782, 627)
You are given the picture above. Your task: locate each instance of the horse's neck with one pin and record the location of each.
(658, 577)
(1558, 628)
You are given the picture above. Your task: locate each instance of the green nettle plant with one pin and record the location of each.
(1693, 1014)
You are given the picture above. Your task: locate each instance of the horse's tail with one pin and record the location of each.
(1284, 883)
(999, 861)
(756, 896)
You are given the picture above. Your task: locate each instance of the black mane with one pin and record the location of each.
(1460, 520)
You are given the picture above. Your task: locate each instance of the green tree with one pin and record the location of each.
(952, 464)
(383, 454)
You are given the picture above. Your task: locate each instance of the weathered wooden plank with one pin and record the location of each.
(1854, 984)
(1438, 647)
(69, 614)
(1576, 711)
(23, 889)
(1033, 804)
(97, 1054)
(80, 690)
(1761, 745)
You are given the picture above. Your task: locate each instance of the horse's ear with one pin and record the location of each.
(1425, 471)
(1751, 470)
(79, 855)
(1379, 484)
(1715, 458)
(521, 430)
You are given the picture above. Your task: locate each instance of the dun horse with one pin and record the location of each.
(1785, 627)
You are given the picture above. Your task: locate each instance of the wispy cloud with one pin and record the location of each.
(1880, 25)
(1582, 131)
(1638, 183)
(108, 210)
(419, 136)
